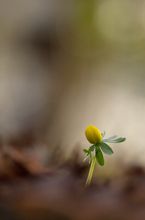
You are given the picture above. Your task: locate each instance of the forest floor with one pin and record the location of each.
(31, 192)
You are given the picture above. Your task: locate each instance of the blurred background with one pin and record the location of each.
(65, 64)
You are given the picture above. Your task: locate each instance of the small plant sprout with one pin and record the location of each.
(99, 146)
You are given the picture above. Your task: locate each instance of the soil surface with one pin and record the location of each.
(29, 191)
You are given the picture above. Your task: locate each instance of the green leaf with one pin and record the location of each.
(115, 140)
(113, 137)
(92, 148)
(110, 138)
(106, 148)
(89, 150)
(86, 151)
(118, 140)
(99, 156)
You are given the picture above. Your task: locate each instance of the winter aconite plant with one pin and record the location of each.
(99, 146)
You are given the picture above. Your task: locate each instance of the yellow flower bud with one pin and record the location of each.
(93, 134)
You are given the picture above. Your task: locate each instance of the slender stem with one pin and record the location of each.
(91, 171)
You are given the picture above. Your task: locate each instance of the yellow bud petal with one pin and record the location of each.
(93, 134)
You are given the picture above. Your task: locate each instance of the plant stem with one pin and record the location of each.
(91, 171)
